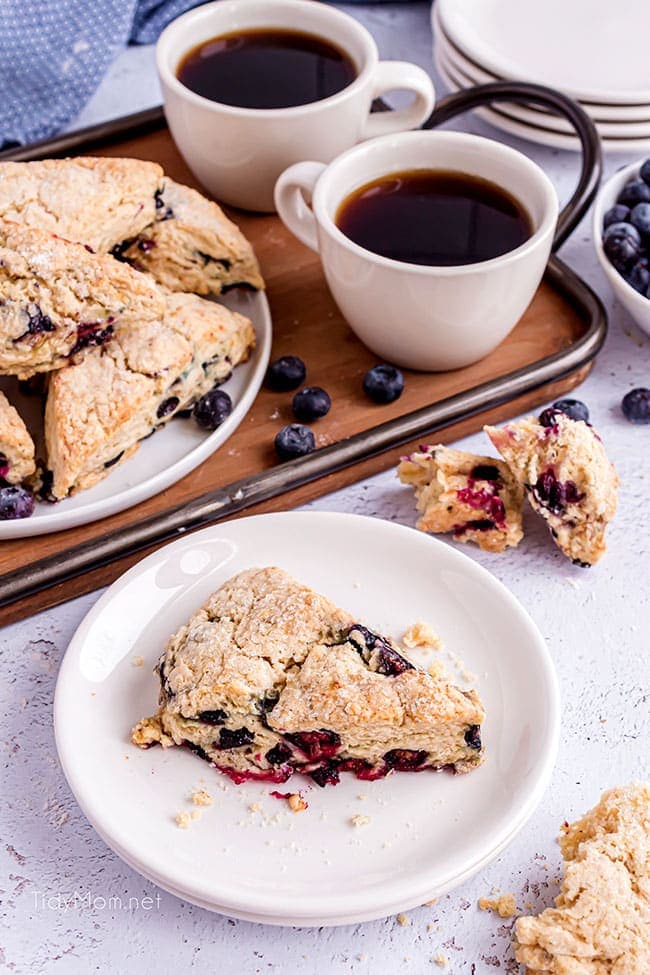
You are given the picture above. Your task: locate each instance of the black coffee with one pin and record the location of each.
(434, 217)
(266, 69)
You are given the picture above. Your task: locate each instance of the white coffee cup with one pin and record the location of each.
(238, 153)
(413, 315)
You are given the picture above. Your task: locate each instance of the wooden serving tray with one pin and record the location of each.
(549, 352)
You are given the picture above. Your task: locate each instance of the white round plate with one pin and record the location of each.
(538, 117)
(609, 114)
(574, 46)
(161, 460)
(426, 833)
(501, 119)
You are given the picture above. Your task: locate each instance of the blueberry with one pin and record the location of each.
(640, 218)
(548, 417)
(294, 440)
(316, 745)
(473, 737)
(15, 502)
(212, 717)
(279, 755)
(555, 495)
(311, 403)
(574, 408)
(622, 244)
(645, 171)
(405, 759)
(636, 405)
(619, 213)
(325, 774)
(237, 738)
(212, 409)
(383, 384)
(376, 652)
(286, 373)
(167, 406)
(486, 472)
(635, 191)
(639, 275)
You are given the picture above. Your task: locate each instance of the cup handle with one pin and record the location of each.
(292, 196)
(391, 76)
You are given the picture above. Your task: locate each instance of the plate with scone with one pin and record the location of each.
(307, 718)
(128, 301)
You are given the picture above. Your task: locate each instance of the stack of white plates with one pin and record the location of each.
(596, 51)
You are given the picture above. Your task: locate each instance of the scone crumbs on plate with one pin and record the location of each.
(504, 905)
(201, 798)
(441, 961)
(360, 820)
(184, 819)
(421, 634)
(138, 661)
(403, 920)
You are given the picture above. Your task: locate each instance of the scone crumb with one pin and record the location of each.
(421, 634)
(362, 796)
(504, 905)
(296, 803)
(201, 798)
(441, 960)
(403, 921)
(183, 820)
(138, 661)
(360, 820)
(254, 807)
(431, 927)
(436, 668)
(434, 900)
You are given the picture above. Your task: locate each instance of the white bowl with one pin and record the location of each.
(636, 304)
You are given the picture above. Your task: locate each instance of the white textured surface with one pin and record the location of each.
(595, 621)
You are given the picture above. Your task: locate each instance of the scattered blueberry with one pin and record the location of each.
(640, 218)
(286, 373)
(311, 403)
(622, 244)
(645, 171)
(15, 502)
(619, 213)
(574, 408)
(639, 275)
(212, 409)
(635, 191)
(383, 384)
(636, 405)
(294, 440)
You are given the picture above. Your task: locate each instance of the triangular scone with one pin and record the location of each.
(16, 445)
(476, 498)
(100, 408)
(98, 201)
(269, 678)
(567, 476)
(193, 246)
(57, 299)
(601, 922)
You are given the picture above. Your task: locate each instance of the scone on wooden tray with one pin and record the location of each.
(100, 408)
(269, 677)
(59, 299)
(98, 201)
(477, 498)
(16, 445)
(600, 924)
(192, 246)
(567, 476)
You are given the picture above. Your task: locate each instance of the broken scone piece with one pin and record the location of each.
(601, 922)
(192, 246)
(476, 498)
(269, 677)
(100, 408)
(58, 299)
(16, 445)
(567, 476)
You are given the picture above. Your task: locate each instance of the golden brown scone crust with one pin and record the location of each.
(16, 445)
(99, 408)
(99, 201)
(57, 299)
(193, 246)
(601, 922)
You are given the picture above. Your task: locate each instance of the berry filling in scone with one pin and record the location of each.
(270, 678)
(567, 476)
(476, 498)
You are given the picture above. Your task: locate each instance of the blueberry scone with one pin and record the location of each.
(16, 445)
(192, 246)
(94, 200)
(58, 299)
(567, 476)
(600, 924)
(476, 498)
(269, 677)
(100, 408)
